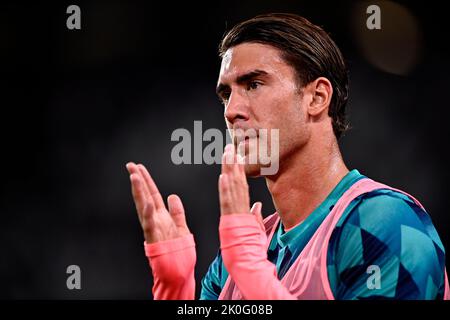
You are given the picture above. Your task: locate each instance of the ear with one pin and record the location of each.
(322, 91)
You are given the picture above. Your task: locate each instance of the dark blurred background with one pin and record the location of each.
(76, 105)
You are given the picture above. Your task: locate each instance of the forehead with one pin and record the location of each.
(247, 57)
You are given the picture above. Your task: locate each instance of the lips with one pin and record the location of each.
(244, 135)
(246, 146)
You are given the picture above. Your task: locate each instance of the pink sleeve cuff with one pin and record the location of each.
(172, 263)
(239, 229)
(153, 250)
(244, 253)
(238, 220)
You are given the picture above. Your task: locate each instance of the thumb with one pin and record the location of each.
(176, 211)
(256, 210)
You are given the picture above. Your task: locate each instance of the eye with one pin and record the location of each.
(224, 96)
(252, 85)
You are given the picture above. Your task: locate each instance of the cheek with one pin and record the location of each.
(293, 126)
(289, 113)
(273, 108)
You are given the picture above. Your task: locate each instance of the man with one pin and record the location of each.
(336, 234)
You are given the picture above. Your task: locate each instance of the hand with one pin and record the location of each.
(158, 223)
(233, 188)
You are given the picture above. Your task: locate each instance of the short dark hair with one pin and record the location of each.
(304, 46)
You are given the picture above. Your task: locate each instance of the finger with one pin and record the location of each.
(133, 169)
(241, 164)
(237, 178)
(176, 210)
(149, 209)
(237, 163)
(227, 159)
(233, 166)
(154, 192)
(137, 191)
(130, 166)
(224, 197)
(256, 210)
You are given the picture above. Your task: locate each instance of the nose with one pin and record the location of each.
(236, 108)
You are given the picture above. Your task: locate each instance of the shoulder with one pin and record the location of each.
(385, 213)
(388, 229)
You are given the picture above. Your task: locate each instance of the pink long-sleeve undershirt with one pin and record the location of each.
(244, 251)
(173, 263)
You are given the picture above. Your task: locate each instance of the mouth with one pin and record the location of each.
(244, 135)
(243, 146)
(242, 139)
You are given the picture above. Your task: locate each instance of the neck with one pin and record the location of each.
(305, 179)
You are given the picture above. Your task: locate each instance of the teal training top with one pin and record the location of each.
(382, 228)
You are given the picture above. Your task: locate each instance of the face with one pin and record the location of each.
(260, 91)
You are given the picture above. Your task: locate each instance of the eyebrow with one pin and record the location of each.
(241, 79)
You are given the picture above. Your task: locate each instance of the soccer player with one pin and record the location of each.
(336, 234)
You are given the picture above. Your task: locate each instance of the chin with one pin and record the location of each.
(252, 170)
